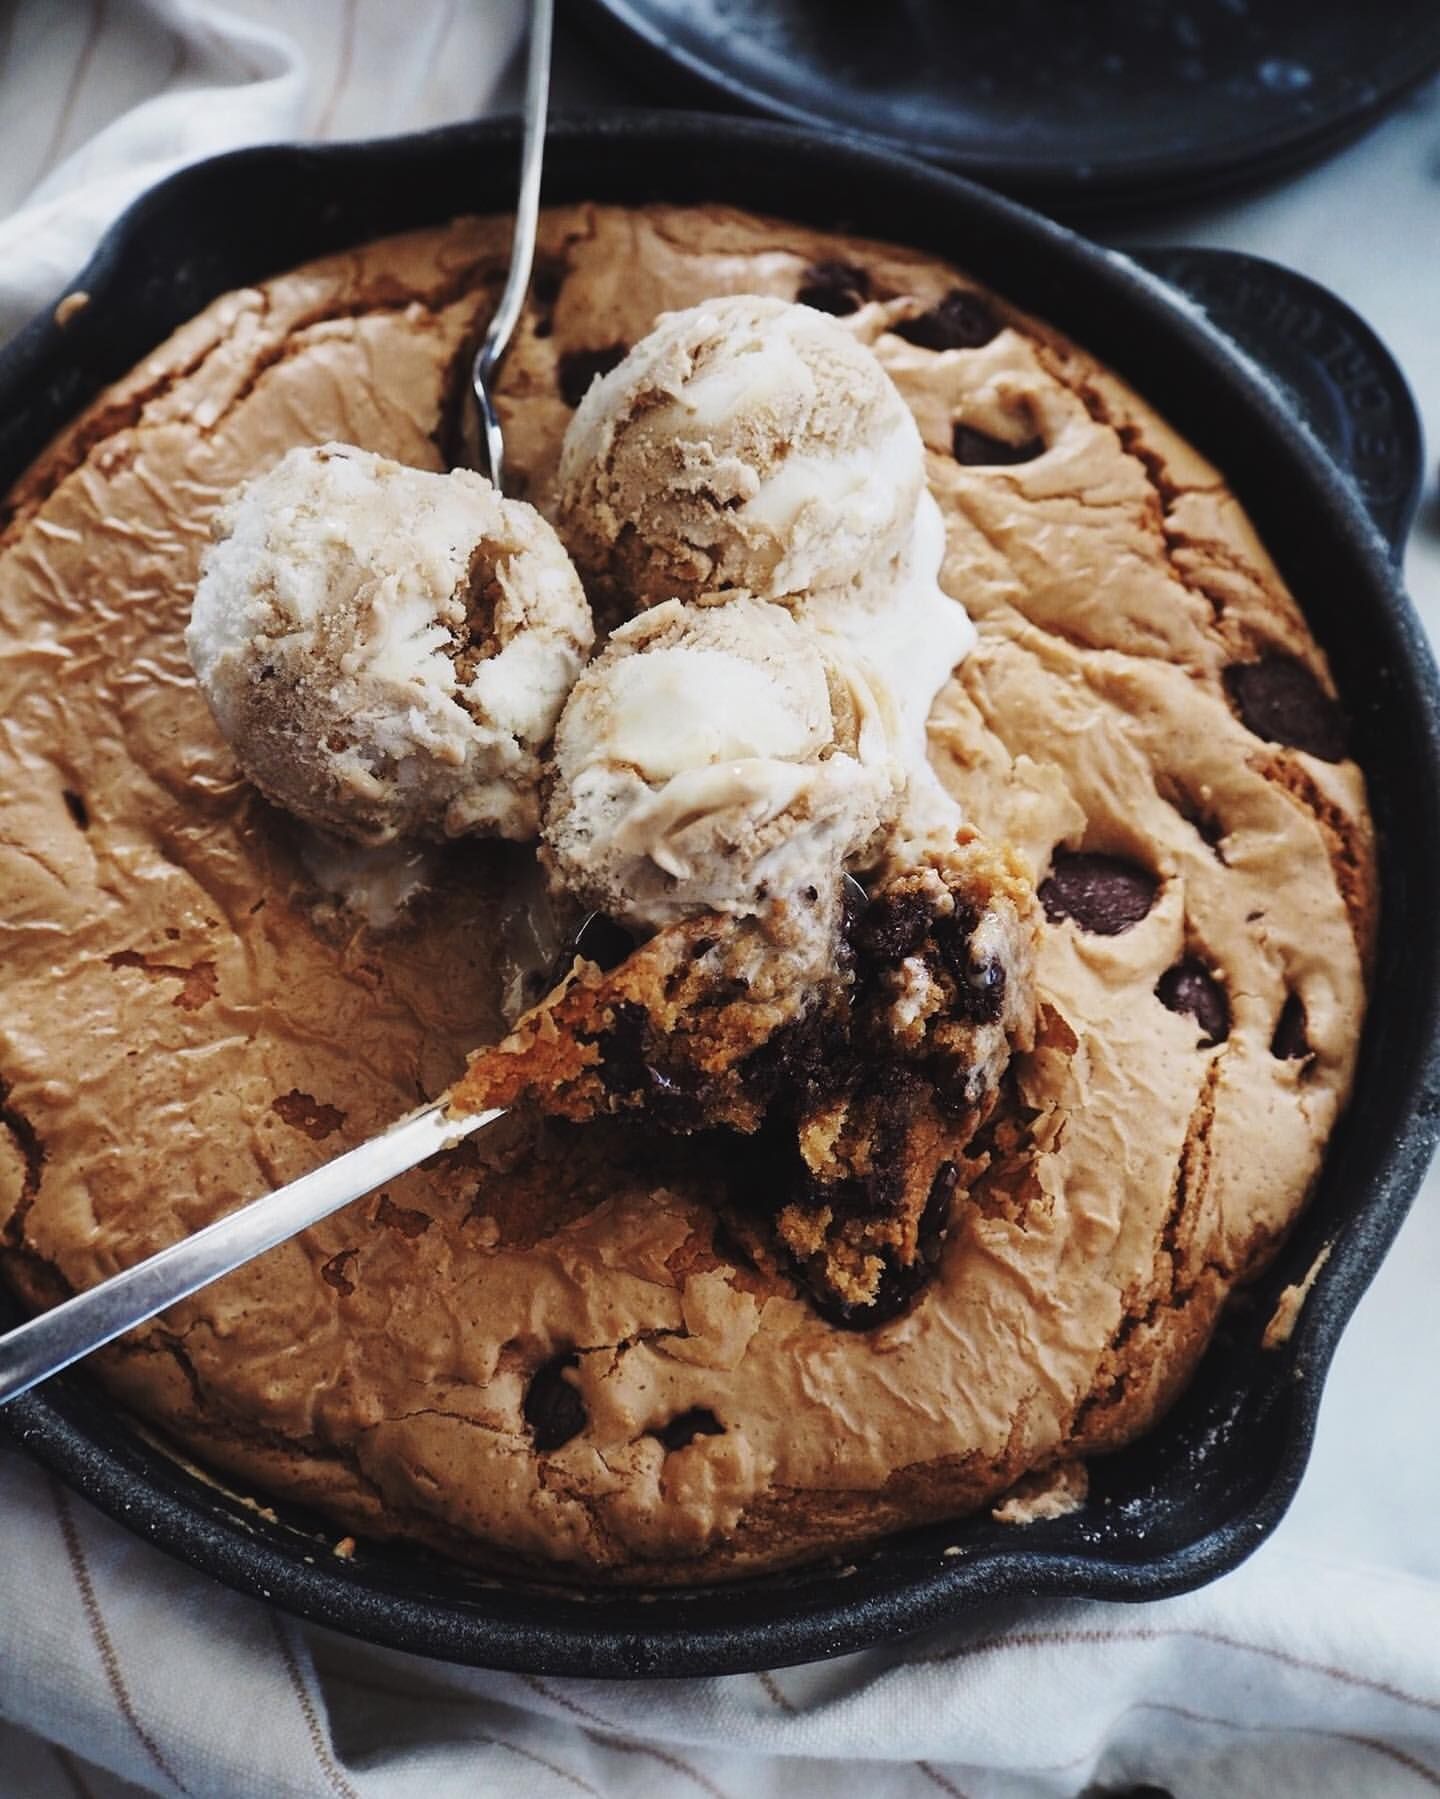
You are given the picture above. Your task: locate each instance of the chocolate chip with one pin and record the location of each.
(962, 321)
(77, 808)
(980, 995)
(405, 1219)
(578, 368)
(809, 1055)
(1104, 894)
(1189, 987)
(636, 1070)
(547, 279)
(304, 1113)
(1290, 1043)
(699, 1421)
(834, 287)
(622, 1049)
(553, 1408)
(979, 986)
(977, 449)
(1280, 700)
(336, 1272)
(893, 926)
(888, 1096)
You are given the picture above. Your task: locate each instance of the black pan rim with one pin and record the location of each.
(827, 1611)
(1128, 181)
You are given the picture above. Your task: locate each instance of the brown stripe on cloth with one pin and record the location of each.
(1049, 1639)
(338, 1783)
(540, 1762)
(703, 1781)
(772, 1687)
(100, 1633)
(945, 1785)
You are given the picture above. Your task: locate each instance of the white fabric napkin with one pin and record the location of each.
(100, 99)
(1314, 1669)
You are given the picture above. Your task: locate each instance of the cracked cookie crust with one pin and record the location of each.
(568, 1345)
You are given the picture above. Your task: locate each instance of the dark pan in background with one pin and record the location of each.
(1197, 1494)
(1072, 105)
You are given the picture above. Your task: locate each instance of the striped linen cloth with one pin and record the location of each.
(1314, 1669)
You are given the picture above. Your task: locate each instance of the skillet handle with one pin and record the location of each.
(1344, 382)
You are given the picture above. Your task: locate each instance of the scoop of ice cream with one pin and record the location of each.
(745, 445)
(905, 636)
(747, 452)
(387, 650)
(714, 757)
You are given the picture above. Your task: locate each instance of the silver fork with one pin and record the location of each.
(522, 243)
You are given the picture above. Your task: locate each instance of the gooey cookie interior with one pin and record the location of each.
(566, 1342)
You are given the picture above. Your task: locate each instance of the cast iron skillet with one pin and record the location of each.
(1197, 1494)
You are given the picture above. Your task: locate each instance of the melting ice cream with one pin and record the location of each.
(386, 649)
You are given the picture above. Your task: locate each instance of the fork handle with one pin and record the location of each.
(522, 243)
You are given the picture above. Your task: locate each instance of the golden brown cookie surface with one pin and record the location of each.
(189, 1018)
